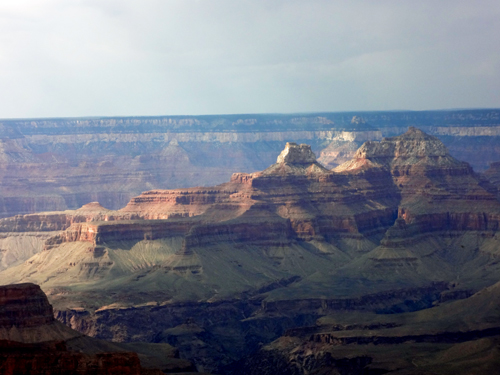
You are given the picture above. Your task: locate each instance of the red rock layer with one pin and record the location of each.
(55, 359)
(24, 305)
(99, 232)
(247, 229)
(25, 308)
(438, 192)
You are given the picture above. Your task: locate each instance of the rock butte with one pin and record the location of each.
(402, 219)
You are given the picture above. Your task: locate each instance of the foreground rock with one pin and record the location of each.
(33, 342)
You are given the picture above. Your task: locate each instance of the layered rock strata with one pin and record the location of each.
(462, 337)
(58, 164)
(33, 342)
(385, 203)
(391, 230)
(24, 305)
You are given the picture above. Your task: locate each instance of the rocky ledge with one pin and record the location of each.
(24, 305)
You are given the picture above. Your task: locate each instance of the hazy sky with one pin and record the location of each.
(164, 57)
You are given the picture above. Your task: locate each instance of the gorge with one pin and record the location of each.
(402, 227)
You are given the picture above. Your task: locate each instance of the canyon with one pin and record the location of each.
(59, 164)
(221, 271)
(461, 337)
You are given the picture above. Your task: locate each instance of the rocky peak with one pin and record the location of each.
(294, 160)
(406, 150)
(296, 154)
(414, 133)
(413, 143)
(92, 206)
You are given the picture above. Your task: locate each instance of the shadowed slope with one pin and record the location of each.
(461, 337)
(33, 342)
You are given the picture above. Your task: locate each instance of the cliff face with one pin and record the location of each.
(440, 199)
(33, 342)
(58, 164)
(493, 174)
(24, 305)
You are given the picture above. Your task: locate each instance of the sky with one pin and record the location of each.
(71, 58)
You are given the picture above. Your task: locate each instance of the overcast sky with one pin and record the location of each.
(63, 58)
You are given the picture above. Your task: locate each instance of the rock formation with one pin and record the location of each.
(493, 173)
(380, 209)
(59, 164)
(24, 305)
(33, 342)
(296, 154)
(392, 229)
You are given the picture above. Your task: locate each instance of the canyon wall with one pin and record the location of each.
(219, 270)
(58, 164)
